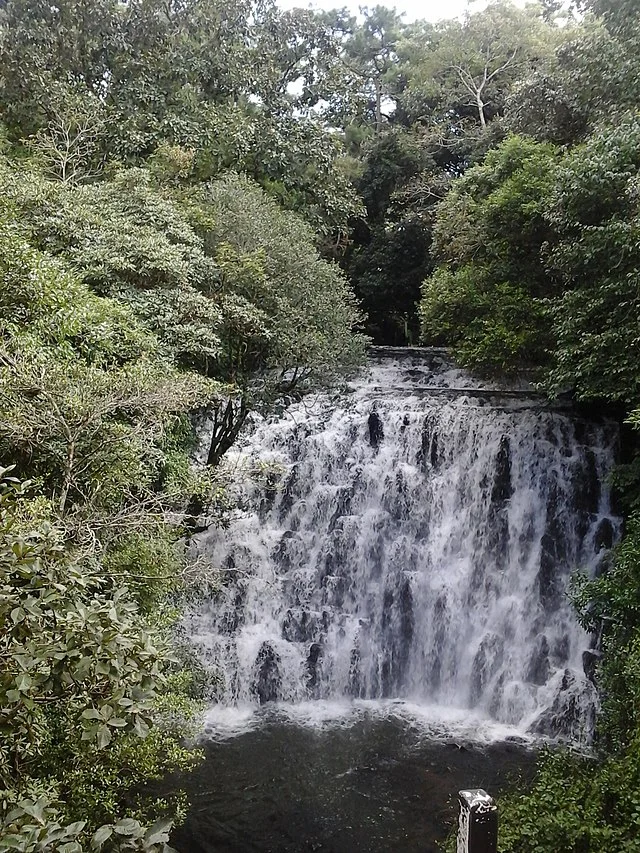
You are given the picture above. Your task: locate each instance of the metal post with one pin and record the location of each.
(478, 826)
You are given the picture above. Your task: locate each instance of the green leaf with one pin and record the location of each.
(100, 836)
(23, 682)
(104, 737)
(90, 714)
(17, 615)
(128, 826)
(140, 727)
(159, 831)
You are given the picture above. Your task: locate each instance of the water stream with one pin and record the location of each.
(400, 561)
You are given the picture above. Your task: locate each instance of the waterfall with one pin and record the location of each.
(412, 538)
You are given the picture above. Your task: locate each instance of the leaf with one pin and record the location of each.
(100, 836)
(140, 727)
(23, 682)
(104, 737)
(34, 810)
(128, 826)
(17, 615)
(159, 831)
(90, 714)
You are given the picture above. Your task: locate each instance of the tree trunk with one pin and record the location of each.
(68, 473)
(483, 120)
(378, 86)
(226, 427)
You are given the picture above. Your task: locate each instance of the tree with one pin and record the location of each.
(74, 725)
(370, 56)
(467, 69)
(486, 297)
(86, 402)
(47, 46)
(620, 17)
(591, 76)
(116, 83)
(389, 256)
(594, 212)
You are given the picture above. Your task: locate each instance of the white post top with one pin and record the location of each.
(477, 822)
(477, 800)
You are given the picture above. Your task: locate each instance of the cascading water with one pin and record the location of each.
(412, 539)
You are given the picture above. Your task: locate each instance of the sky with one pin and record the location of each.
(431, 10)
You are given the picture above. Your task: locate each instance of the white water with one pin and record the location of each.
(430, 569)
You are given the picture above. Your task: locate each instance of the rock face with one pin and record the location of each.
(418, 544)
(376, 431)
(267, 681)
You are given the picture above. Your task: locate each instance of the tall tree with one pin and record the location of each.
(467, 68)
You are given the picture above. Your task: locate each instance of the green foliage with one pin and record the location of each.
(304, 316)
(85, 402)
(228, 282)
(74, 724)
(594, 212)
(576, 805)
(610, 605)
(461, 73)
(486, 297)
(127, 241)
(112, 83)
(495, 327)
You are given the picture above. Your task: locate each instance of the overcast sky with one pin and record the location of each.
(431, 10)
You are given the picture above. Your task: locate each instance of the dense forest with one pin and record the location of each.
(208, 207)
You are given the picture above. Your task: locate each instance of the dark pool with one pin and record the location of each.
(372, 782)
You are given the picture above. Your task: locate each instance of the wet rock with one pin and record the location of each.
(603, 564)
(401, 506)
(269, 494)
(313, 664)
(487, 661)
(560, 650)
(497, 697)
(343, 506)
(397, 630)
(234, 615)
(305, 626)
(441, 620)
(502, 489)
(538, 668)
(429, 454)
(604, 535)
(286, 554)
(267, 682)
(586, 496)
(355, 678)
(552, 554)
(376, 431)
(570, 713)
(375, 552)
(590, 659)
(333, 589)
(289, 493)
(434, 455)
